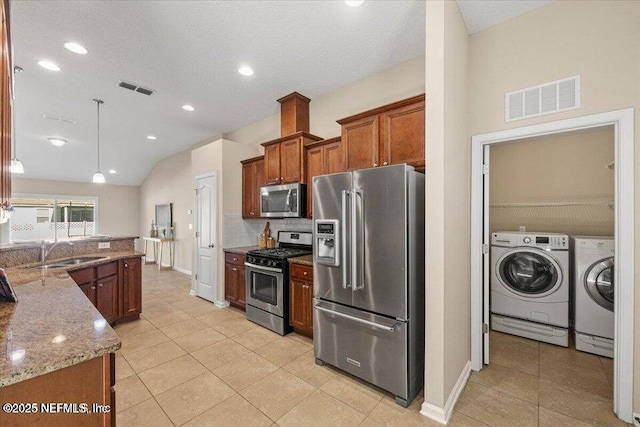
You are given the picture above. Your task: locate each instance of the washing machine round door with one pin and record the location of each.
(599, 283)
(529, 273)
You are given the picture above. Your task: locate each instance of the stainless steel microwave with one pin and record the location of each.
(283, 201)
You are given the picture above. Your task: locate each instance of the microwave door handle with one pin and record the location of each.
(288, 203)
(345, 256)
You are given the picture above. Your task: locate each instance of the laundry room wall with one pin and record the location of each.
(561, 184)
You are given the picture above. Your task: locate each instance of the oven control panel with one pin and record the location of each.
(327, 241)
(264, 262)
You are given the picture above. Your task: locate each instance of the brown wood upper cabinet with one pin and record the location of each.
(284, 159)
(252, 180)
(387, 135)
(322, 157)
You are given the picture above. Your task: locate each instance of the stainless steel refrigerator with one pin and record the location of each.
(368, 309)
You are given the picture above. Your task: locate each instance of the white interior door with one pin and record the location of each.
(206, 225)
(486, 249)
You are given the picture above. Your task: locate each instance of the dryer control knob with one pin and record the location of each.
(527, 239)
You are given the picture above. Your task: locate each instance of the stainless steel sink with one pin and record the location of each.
(68, 262)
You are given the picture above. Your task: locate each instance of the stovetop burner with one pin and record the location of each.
(280, 253)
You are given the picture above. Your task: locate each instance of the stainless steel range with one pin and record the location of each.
(267, 280)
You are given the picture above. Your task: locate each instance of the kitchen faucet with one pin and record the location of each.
(44, 253)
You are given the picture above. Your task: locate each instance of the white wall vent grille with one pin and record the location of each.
(546, 98)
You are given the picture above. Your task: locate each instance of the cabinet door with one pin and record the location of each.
(230, 291)
(402, 135)
(248, 197)
(272, 164)
(291, 161)
(107, 297)
(315, 167)
(333, 158)
(241, 287)
(308, 298)
(297, 313)
(90, 291)
(360, 143)
(259, 182)
(131, 286)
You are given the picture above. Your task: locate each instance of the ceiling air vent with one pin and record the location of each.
(134, 87)
(59, 119)
(546, 98)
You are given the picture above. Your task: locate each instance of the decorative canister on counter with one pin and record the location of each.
(271, 242)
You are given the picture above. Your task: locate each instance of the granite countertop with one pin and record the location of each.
(53, 325)
(242, 250)
(304, 260)
(36, 244)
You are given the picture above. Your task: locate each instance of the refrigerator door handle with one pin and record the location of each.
(345, 256)
(357, 240)
(357, 319)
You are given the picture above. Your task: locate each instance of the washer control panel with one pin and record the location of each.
(545, 241)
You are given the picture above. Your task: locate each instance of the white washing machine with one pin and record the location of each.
(530, 285)
(593, 264)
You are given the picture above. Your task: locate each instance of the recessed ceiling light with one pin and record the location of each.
(76, 48)
(58, 142)
(354, 3)
(188, 107)
(245, 71)
(112, 171)
(49, 65)
(153, 138)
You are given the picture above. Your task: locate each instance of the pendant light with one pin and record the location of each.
(16, 165)
(98, 177)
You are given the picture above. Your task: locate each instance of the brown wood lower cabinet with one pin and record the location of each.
(234, 280)
(301, 298)
(114, 288)
(88, 382)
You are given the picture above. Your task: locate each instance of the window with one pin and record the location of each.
(52, 217)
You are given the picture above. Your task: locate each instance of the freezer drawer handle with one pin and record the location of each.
(356, 319)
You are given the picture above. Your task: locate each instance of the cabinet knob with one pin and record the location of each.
(251, 213)
(235, 259)
(126, 265)
(99, 285)
(281, 179)
(305, 273)
(384, 164)
(235, 269)
(93, 287)
(375, 165)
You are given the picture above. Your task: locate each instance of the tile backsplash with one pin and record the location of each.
(239, 232)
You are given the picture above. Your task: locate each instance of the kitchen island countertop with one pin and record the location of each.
(53, 325)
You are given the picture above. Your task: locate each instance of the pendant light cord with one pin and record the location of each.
(98, 102)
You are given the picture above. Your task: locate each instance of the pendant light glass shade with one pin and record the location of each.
(98, 177)
(16, 166)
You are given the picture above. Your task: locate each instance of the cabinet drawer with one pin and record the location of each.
(234, 258)
(107, 270)
(83, 276)
(302, 272)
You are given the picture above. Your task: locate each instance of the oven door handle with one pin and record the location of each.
(262, 267)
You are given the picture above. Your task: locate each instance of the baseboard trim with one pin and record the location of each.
(192, 293)
(222, 304)
(443, 415)
(181, 270)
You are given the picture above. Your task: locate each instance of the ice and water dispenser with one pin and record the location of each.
(327, 242)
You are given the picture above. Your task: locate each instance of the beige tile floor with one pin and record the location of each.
(187, 362)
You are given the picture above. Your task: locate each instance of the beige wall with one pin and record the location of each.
(599, 40)
(118, 205)
(399, 82)
(540, 172)
(447, 202)
(171, 181)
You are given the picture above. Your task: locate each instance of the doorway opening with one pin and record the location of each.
(547, 301)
